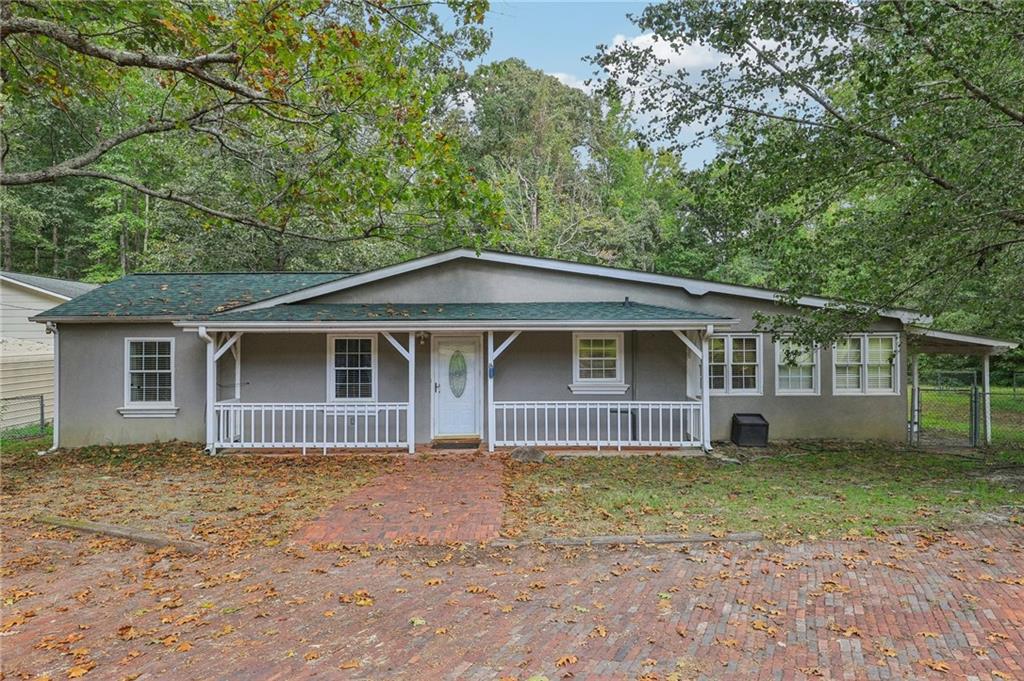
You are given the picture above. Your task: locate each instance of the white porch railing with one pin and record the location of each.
(311, 425)
(599, 424)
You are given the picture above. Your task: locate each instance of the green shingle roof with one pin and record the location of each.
(185, 295)
(567, 311)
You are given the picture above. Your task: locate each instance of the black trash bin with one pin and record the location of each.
(749, 430)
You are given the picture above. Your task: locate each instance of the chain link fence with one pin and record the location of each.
(950, 411)
(23, 416)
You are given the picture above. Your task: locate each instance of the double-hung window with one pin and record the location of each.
(796, 368)
(148, 377)
(866, 364)
(597, 363)
(352, 368)
(735, 364)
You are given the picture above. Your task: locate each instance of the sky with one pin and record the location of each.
(555, 37)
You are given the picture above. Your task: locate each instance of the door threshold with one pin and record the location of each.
(456, 443)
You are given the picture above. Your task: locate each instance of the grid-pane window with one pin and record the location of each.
(353, 368)
(717, 365)
(744, 364)
(149, 371)
(598, 358)
(849, 356)
(735, 364)
(796, 368)
(880, 362)
(867, 363)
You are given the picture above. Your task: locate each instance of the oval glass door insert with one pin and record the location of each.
(457, 373)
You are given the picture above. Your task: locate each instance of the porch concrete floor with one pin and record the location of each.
(430, 498)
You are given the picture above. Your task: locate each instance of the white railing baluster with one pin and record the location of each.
(578, 423)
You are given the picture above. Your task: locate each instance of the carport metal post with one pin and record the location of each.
(915, 399)
(987, 397)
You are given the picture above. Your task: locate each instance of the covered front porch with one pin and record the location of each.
(618, 375)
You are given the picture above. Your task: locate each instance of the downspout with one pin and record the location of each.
(209, 397)
(52, 328)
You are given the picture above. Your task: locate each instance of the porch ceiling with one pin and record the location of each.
(506, 315)
(934, 341)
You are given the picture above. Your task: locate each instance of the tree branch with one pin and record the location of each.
(65, 168)
(194, 67)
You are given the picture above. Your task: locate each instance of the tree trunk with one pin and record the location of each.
(145, 222)
(56, 253)
(6, 256)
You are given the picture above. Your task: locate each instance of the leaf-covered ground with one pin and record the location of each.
(175, 489)
(910, 606)
(821, 491)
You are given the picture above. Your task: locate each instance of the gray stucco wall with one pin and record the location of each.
(791, 417)
(538, 365)
(92, 386)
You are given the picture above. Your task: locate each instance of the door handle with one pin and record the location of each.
(437, 387)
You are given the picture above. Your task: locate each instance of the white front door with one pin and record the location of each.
(457, 386)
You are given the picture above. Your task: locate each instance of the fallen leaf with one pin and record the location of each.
(81, 669)
(566, 660)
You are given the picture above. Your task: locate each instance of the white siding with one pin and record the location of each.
(23, 373)
(17, 304)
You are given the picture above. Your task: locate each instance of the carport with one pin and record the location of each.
(924, 340)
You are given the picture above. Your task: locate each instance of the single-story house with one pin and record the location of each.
(26, 350)
(462, 346)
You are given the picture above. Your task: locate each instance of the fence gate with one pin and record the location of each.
(947, 416)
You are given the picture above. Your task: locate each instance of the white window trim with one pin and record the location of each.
(598, 386)
(372, 337)
(780, 341)
(729, 390)
(864, 390)
(148, 409)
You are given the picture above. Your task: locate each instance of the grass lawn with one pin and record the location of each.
(176, 489)
(791, 494)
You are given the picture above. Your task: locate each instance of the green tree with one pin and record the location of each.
(315, 117)
(868, 150)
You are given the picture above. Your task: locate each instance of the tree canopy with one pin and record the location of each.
(302, 120)
(869, 150)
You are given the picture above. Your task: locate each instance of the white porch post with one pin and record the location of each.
(491, 412)
(410, 410)
(236, 350)
(410, 413)
(705, 389)
(493, 354)
(987, 403)
(211, 388)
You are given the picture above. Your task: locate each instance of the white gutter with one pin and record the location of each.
(52, 328)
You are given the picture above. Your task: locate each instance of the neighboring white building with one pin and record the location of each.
(26, 295)
(26, 350)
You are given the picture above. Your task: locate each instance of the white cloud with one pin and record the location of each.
(572, 81)
(689, 57)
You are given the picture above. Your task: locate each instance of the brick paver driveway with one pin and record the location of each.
(433, 498)
(944, 606)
